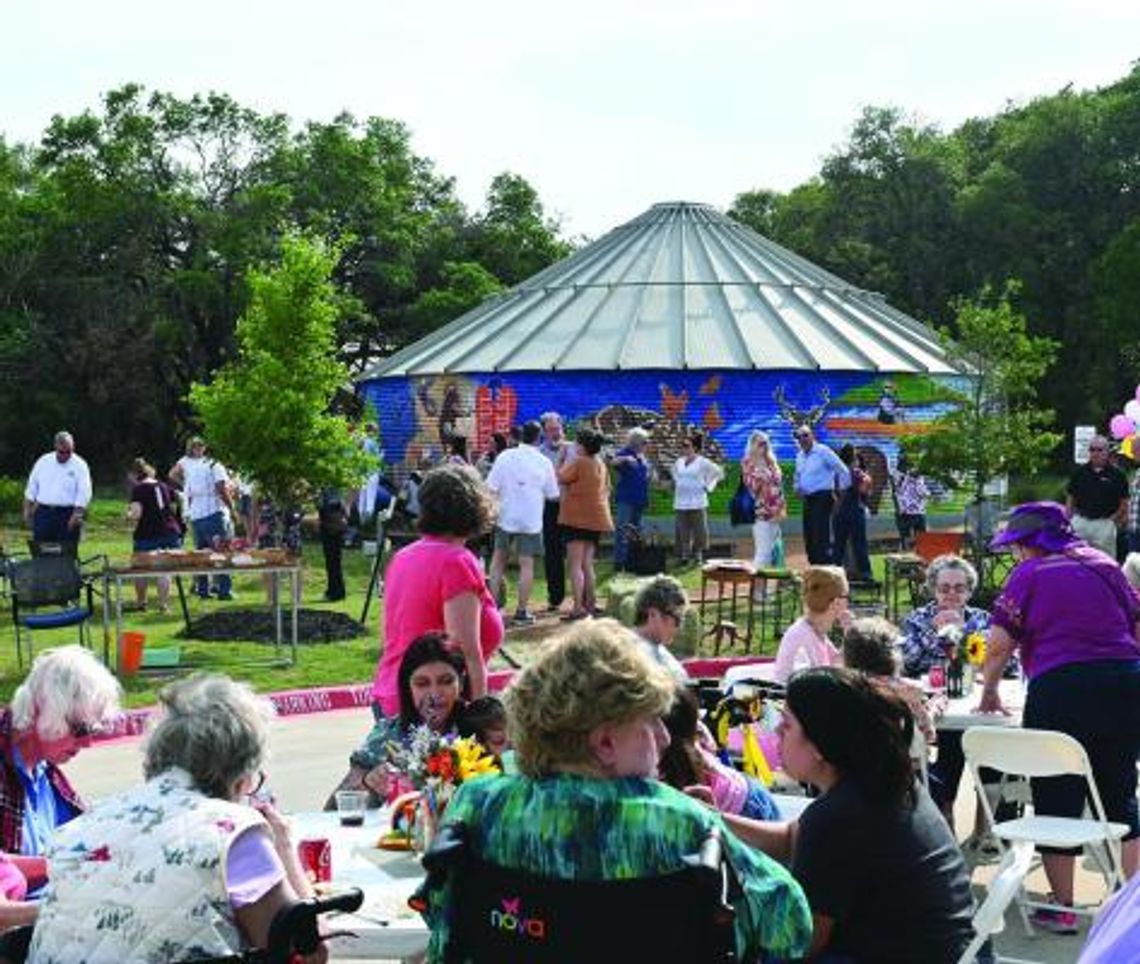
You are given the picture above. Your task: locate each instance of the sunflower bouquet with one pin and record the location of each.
(437, 763)
(965, 654)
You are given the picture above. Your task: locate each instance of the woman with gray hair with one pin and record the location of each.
(585, 718)
(192, 864)
(950, 581)
(926, 634)
(67, 697)
(761, 475)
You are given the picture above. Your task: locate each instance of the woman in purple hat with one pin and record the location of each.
(1076, 622)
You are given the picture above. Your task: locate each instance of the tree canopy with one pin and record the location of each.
(129, 239)
(265, 411)
(1047, 192)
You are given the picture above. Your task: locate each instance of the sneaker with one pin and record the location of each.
(226, 597)
(1054, 921)
(523, 618)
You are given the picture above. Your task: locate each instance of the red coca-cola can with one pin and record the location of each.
(315, 857)
(937, 677)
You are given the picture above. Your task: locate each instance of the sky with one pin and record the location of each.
(604, 106)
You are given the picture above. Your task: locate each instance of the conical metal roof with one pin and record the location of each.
(680, 286)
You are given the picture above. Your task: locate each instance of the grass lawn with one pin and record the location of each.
(349, 661)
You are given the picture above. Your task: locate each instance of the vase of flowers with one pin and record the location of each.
(965, 654)
(436, 764)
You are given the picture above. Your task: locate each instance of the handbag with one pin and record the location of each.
(742, 506)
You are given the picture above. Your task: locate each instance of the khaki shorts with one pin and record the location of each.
(528, 543)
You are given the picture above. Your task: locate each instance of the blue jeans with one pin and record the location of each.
(205, 530)
(625, 514)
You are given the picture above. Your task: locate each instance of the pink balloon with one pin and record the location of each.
(1121, 426)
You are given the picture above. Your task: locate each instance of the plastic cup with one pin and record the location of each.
(350, 804)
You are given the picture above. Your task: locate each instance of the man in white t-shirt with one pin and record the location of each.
(58, 493)
(523, 479)
(205, 485)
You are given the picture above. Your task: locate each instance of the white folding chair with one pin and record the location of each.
(1044, 753)
(989, 918)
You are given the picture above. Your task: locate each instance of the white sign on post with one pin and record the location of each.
(1082, 435)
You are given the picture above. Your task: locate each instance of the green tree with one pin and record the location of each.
(514, 238)
(998, 428)
(266, 412)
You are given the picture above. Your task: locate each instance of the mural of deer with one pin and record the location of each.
(797, 416)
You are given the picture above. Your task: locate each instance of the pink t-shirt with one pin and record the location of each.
(420, 579)
(729, 787)
(802, 647)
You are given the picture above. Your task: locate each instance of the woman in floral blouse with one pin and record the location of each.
(192, 863)
(762, 477)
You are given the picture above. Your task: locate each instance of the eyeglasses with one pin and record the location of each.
(81, 731)
(258, 790)
(1098, 448)
(957, 587)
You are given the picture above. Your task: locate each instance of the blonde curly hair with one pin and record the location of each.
(594, 674)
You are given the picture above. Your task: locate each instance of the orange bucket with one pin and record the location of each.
(131, 651)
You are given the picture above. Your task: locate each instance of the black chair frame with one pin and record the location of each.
(504, 916)
(56, 579)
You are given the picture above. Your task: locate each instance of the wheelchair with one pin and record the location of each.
(293, 931)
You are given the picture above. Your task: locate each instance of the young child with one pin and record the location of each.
(486, 720)
(687, 762)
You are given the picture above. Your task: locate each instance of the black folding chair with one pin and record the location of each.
(49, 592)
(505, 916)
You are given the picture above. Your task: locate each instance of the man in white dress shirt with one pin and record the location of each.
(58, 493)
(523, 479)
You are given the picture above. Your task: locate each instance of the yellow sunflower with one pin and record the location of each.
(472, 759)
(976, 648)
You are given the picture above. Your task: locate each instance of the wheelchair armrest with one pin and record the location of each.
(294, 928)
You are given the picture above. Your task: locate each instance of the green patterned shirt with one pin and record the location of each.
(575, 827)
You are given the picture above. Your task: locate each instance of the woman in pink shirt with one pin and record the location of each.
(437, 584)
(805, 642)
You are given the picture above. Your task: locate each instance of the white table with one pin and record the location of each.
(385, 926)
(962, 713)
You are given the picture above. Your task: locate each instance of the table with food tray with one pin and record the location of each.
(178, 563)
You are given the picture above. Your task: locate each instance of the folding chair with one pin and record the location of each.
(989, 918)
(504, 916)
(55, 581)
(1044, 753)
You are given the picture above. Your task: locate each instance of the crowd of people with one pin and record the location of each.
(603, 729)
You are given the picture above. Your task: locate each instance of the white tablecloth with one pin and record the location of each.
(962, 713)
(385, 926)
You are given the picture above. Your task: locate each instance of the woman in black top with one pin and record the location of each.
(155, 511)
(883, 875)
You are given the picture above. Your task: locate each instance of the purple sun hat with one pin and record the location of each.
(1041, 525)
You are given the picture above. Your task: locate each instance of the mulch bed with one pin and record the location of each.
(259, 626)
